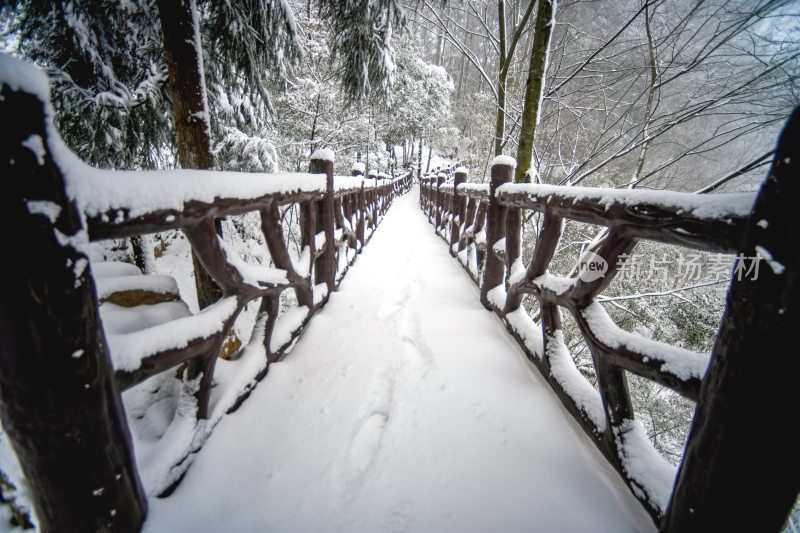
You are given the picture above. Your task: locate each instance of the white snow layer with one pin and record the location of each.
(324, 154)
(644, 464)
(106, 286)
(112, 269)
(476, 188)
(504, 160)
(22, 76)
(700, 205)
(345, 183)
(98, 191)
(681, 363)
(405, 406)
(128, 349)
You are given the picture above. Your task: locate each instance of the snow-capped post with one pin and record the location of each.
(433, 196)
(494, 269)
(447, 215)
(424, 188)
(439, 201)
(357, 169)
(373, 208)
(459, 210)
(742, 440)
(430, 196)
(325, 264)
(59, 402)
(469, 218)
(513, 240)
(361, 208)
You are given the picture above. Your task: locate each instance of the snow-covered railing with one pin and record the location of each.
(458, 220)
(61, 375)
(341, 210)
(733, 454)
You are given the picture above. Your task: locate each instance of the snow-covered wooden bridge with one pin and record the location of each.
(404, 405)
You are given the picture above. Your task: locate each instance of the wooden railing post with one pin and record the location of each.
(360, 206)
(372, 195)
(494, 269)
(431, 198)
(447, 211)
(59, 402)
(439, 202)
(742, 441)
(459, 210)
(428, 196)
(361, 203)
(325, 264)
(513, 239)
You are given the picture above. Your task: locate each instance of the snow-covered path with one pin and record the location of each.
(404, 407)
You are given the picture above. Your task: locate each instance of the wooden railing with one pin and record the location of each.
(739, 472)
(60, 383)
(60, 392)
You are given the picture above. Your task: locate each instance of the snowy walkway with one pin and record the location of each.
(404, 407)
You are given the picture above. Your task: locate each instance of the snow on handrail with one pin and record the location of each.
(706, 206)
(703, 222)
(60, 204)
(466, 215)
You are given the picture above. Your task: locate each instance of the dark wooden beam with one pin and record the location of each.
(741, 469)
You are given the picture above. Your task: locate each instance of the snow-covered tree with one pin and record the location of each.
(107, 72)
(362, 34)
(422, 98)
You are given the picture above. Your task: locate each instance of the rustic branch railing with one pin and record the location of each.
(61, 376)
(729, 456)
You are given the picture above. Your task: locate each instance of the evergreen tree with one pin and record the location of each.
(107, 73)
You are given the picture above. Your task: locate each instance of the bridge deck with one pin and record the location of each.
(404, 407)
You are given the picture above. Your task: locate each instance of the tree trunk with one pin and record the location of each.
(366, 159)
(186, 82)
(184, 59)
(651, 92)
(314, 124)
(500, 122)
(533, 90)
(143, 255)
(430, 152)
(419, 164)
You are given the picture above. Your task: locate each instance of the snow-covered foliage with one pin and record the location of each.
(315, 110)
(422, 98)
(110, 80)
(362, 36)
(238, 151)
(108, 76)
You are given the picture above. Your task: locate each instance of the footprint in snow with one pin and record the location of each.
(396, 305)
(375, 415)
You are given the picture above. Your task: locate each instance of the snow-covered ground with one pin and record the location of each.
(405, 406)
